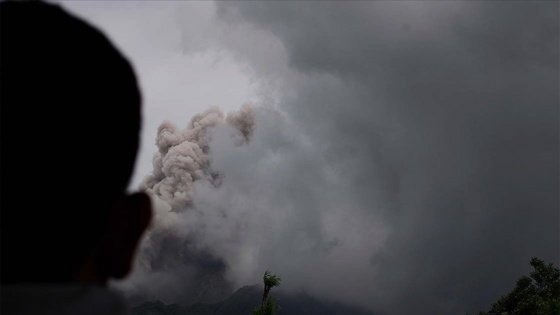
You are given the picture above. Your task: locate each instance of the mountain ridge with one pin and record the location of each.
(245, 299)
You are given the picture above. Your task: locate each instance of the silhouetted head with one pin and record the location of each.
(70, 122)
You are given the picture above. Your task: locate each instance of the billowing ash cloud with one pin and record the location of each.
(235, 196)
(408, 165)
(170, 258)
(183, 155)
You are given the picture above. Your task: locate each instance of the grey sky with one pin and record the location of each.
(405, 155)
(175, 85)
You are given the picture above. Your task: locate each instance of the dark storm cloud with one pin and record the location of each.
(442, 120)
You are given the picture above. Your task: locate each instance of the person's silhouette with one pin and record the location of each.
(70, 111)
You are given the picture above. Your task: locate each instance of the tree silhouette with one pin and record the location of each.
(538, 294)
(268, 305)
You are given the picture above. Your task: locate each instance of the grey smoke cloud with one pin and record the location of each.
(403, 156)
(441, 119)
(173, 261)
(265, 206)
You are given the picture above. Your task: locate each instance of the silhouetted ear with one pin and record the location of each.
(130, 218)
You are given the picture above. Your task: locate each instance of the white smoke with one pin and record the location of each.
(183, 159)
(237, 195)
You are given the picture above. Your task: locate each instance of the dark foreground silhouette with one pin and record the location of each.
(70, 125)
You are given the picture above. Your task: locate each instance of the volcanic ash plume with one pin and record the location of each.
(169, 250)
(182, 156)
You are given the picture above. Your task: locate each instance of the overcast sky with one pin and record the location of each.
(404, 157)
(180, 71)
